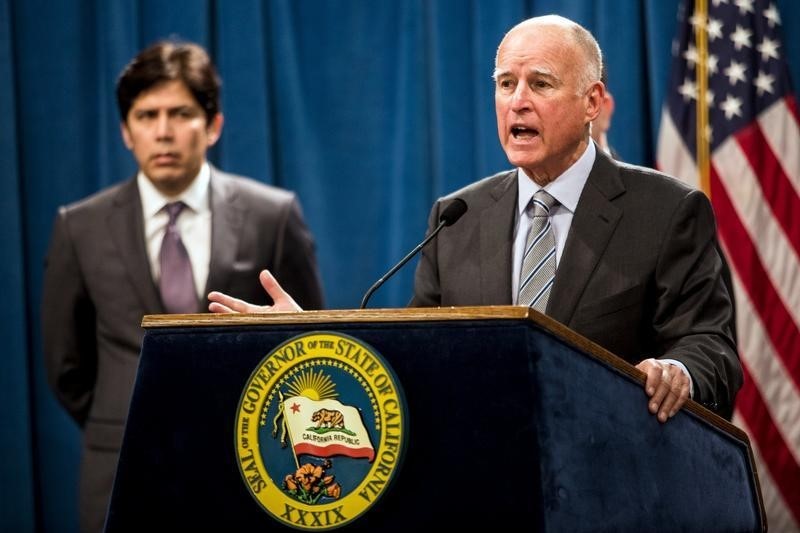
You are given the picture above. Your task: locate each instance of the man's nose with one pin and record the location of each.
(521, 99)
(163, 126)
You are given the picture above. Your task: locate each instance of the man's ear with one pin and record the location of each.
(594, 100)
(609, 105)
(126, 135)
(214, 129)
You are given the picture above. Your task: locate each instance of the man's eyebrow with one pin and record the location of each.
(167, 108)
(542, 72)
(536, 71)
(499, 73)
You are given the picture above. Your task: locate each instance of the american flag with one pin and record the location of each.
(748, 162)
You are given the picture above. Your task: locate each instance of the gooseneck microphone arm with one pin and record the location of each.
(402, 262)
(448, 217)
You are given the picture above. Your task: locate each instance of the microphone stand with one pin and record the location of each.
(402, 262)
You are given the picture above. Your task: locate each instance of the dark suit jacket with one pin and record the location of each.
(98, 285)
(640, 273)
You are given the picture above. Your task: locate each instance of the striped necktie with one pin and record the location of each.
(539, 262)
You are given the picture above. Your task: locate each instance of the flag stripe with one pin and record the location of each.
(779, 516)
(673, 157)
(767, 370)
(774, 249)
(331, 450)
(776, 188)
(779, 125)
(779, 325)
(781, 464)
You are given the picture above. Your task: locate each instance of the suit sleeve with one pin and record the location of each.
(296, 260)
(68, 325)
(427, 287)
(694, 315)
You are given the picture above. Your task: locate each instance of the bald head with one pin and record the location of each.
(573, 35)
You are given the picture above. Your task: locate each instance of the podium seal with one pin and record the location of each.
(320, 430)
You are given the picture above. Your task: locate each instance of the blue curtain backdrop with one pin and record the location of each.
(368, 110)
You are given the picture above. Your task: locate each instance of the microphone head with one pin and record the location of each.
(453, 212)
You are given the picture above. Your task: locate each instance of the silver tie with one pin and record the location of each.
(539, 262)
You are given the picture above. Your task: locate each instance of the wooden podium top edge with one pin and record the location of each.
(413, 314)
(420, 314)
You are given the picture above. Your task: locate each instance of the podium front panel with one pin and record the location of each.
(507, 423)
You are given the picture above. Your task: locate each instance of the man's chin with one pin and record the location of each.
(169, 181)
(523, 159)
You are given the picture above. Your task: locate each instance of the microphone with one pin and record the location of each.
(449, 216)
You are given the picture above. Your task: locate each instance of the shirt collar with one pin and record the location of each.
(566, 188)
(196, 196)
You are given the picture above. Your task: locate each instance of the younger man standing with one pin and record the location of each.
(156, 243)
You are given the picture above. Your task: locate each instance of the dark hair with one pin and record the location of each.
(168, 61)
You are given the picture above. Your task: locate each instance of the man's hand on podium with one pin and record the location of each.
(667, 385)
(283, 302)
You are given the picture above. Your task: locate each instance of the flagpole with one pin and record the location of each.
(291, 440)
(701, 133)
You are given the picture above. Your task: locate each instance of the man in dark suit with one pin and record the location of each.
(636, 269)
(107, 264)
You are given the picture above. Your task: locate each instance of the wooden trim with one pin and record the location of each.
(412, 314)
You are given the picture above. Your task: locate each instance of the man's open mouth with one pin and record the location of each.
(523, 132)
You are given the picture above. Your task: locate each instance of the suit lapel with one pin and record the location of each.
(594, 222)
(126, 224)
(497, 228)
(227, 217)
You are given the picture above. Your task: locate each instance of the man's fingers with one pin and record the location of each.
(666, 385)
(653, 373)
(662, 389)
(216, 307)
(669, 400)
(675, 398)
(282, 300)
(654, 385)
(227, 304)
(679, 394)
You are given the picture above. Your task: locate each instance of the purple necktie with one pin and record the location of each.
(177, 280)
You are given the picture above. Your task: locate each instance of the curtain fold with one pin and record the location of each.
(17, 506)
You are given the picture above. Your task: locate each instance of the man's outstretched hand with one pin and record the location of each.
(283, 302)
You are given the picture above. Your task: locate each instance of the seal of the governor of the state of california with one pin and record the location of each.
(320, 430)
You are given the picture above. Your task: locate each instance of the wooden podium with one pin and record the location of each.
(508, 417)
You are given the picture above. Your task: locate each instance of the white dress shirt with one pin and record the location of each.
(194, 224)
